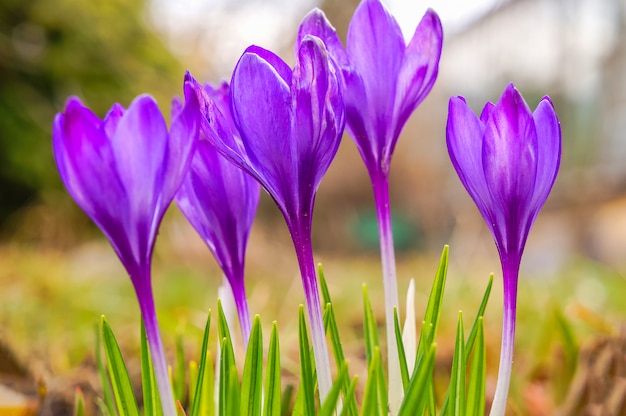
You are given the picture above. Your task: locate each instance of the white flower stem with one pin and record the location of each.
(301, 235)
(234, 304)
(409, 331)
(380, 186)
(498, 407)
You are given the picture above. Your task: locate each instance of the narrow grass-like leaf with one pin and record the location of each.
(252, 380)
(404, 370)
(331, 328)
(349, 397)
(330, 324)
(430, 324)
(433, 308)
(180, 367)
(456, 390)
(431, 403)
(307, 384)
(478, 374)
(272, 406)
(107, 392)
(207, 398)
(122, 388)
(223, 383)
(234, 402)
(383, 400)
(79, 402)
(330, 404)
(298, 404)
(370, 328)
(285, 401)
(417, 395)
(222, 324)
(203, 403)
(151, 400)
(229, 391)
(323, 285)
(227, 365)
(471, 338)
(481, 312)
(370, 397)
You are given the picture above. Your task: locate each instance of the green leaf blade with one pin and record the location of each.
(481, 312)
(307, 384)
(222, 324)
(478, 374)
(323, 285)
(370, 328)
(330, 323)
(272, 405)
(418, 393)
(404, 370)
(370, 397)
(229, 390)
(433, 309)
(122, 387)
(330, 404)
(456, 389)
(202, 403)
(105, 381)
(151, 401)
(349, 397)
(253, 372)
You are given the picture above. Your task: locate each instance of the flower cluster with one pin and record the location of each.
(279, 128)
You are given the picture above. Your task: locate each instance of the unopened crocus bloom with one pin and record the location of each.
(507, 160)
(124, 171)
(220, 200)
(290, 124)
(385, 80)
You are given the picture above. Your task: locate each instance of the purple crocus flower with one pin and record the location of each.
(290, 124)
(220, 201)
(507, 160)
(385, 80)
(123, 171)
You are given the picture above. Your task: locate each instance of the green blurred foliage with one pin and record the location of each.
(101, 51)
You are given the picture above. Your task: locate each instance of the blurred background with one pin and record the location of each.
(105, 52)
(57, 274)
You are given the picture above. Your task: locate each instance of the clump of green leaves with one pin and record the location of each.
(257, 389)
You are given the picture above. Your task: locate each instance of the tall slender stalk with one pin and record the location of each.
(238, 293)
(157, 352)
(510, 272)
(301, 235)
(380, 185)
